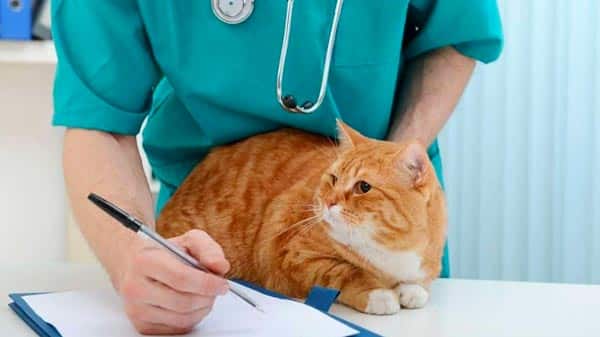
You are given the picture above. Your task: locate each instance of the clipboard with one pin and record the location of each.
(319, 298)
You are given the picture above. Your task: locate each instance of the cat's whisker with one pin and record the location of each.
(292, 204)
(349, 213)
(346, 212)
(306, 210)
(304, 227)
(310, 206)
(350, 216)
(287, 229)
(302, 222)
(314, 209)
(314, 206)
(304, 206)
(308, 227)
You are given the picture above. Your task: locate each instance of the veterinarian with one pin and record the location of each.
(202, 74)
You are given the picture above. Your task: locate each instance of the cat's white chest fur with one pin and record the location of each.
(402, 265)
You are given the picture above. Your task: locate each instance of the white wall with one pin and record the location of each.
(32, 203)
(522, 151)
(36, 221)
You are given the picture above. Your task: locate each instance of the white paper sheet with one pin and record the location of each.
(99, 313)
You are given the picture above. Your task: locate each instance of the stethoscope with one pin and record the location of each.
(238, 11)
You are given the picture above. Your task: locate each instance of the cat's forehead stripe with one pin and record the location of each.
(353, 165)
(357, 167)
(355, 170)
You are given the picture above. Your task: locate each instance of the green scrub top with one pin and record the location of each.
(199, 83)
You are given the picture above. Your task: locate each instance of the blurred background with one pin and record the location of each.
(521, 152)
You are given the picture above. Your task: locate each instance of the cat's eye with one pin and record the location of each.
(362, 187)
(333, 179)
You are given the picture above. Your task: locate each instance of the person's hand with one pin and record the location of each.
(161, 294)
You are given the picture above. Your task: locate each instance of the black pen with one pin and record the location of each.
(137, 226)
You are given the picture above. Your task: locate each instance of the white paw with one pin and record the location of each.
(412, 296)
(382, 302)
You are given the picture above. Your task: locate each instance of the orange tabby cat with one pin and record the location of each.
(292, 210)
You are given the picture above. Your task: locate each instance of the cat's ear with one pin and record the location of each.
(347, 136)
(414, 160)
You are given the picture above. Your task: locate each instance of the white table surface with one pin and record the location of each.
(458, 308)
(27, 52)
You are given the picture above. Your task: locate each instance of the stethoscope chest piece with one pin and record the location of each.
(233, 11)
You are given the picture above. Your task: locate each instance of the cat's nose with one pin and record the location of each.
(330, 203)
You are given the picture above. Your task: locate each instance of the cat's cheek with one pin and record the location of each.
(382, 302)
(412, 296)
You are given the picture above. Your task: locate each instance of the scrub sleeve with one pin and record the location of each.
(472, 27)
(96, 43)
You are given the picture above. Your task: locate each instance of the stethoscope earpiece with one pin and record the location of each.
(290, 104)
(307, 105)
(289, 101)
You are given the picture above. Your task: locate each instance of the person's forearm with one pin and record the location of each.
(431, 88)
(109, 165)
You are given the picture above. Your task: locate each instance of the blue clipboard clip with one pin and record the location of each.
(16, 19)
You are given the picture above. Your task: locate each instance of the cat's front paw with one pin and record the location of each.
(382, 302)
(412, 296)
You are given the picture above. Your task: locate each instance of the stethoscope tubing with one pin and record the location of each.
(307, 107)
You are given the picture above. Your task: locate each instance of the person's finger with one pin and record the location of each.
(146, 328)
(163, 267)
(206, 250)
(156, 315)
(160, 295)
(155, 293)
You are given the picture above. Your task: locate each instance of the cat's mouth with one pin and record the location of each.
(333, 216)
